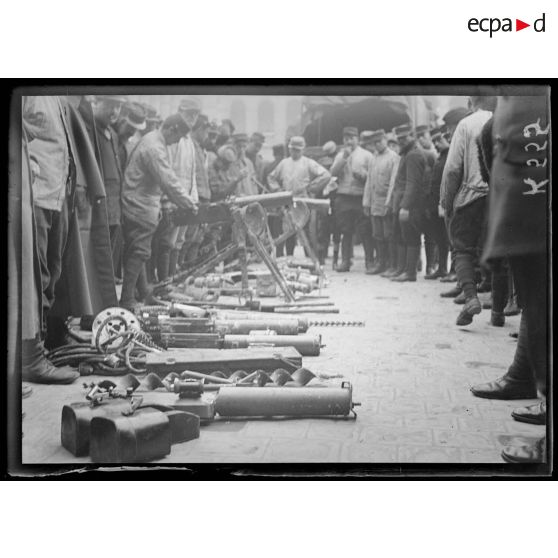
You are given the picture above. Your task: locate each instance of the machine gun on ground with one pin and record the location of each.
(249, 222)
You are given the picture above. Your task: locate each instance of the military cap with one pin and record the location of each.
(228, 125)
(377, 135)
(237, 138)
(226, 152)
(114, 98)
(350, 131)
(453, 116)
(421, 129)
(257, 137)
(436, 133)
(189, 103)
(134, 114)
(151, 113)
(297, 142)
(403, 130)
(213, 129)
(201, 122)
(366, 137)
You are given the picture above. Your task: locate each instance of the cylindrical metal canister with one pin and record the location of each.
(278, 401)
(303, 322)
(306, 345)
(243, 327)
(143, 436)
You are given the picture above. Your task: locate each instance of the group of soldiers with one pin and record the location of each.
(389, 190)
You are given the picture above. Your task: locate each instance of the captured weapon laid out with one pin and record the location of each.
(140, 421)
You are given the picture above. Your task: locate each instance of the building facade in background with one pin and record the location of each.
(273, 116)
(279, 117)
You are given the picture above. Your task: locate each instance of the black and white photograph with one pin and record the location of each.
(232, 275)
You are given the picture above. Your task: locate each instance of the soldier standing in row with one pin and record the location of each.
(351, 166)
(148, 175)
(377, 199)
(409, 197)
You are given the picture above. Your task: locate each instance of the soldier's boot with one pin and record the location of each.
(344, 267)
(511, 309)
(401, 261)
(381, 263)
(430, 252)
(410, 273)
(392, 265)
(36, 368)
(173, 262)
(163, 261)
(452, 293)
(150, 270)
(335, 256)
(132, 269)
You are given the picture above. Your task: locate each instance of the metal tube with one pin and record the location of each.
(199, 375)
(303, 323)
(307, 310)
(306, 345)
(244, 327)
(278, 401)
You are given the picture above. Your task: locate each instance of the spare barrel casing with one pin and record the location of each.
(306, 345)
(278, 401)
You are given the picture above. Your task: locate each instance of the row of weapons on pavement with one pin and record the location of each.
(213, 346)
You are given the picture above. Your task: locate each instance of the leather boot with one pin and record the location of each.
(36, 368)
(132, 269)
(182, 256)
(531, 453)
(497, 319)
(430, 252)
(505, 389)
(410, 273)
(392, 260)
(344, 267)
(335, 256)
(173, 261)
(449, 278)
(531, 414)
(460, 298)
(452, 293)
(512, 309)
(163, 266)
(435, 274)
(145, 289)
(381, 264)
(470, 308)
(401, 259)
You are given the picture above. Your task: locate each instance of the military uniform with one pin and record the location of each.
(435, 226)
(377, 193)
(351, 173)
(409, 193)
(148, 175)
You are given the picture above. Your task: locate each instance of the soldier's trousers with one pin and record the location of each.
(138, 236)
(435, 232)
(467, 232)
(350, 218)
(52, 234)
(530, 362)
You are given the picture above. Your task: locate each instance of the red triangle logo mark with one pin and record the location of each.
(519, 25)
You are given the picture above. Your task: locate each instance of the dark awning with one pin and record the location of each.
(325, 116)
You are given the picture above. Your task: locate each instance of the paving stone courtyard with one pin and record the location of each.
(410, 368)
